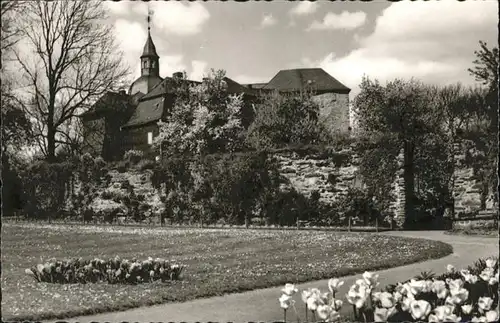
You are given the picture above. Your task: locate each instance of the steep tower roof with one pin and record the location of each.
(149, 48)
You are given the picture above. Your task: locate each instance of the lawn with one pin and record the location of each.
(219, 261)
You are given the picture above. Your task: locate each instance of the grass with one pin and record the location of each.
(219, 262)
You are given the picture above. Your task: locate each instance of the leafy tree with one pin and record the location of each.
(285, 119)
(485, 68)
(73, 62)
(204, 119)
(400, 113)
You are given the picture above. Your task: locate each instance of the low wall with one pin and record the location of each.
(475, 223)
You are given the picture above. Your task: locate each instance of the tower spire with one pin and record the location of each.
(150, 14)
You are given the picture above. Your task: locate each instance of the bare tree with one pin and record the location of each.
(11, 32)
(74, 61)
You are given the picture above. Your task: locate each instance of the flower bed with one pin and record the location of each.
(468, 295)
(113, 271)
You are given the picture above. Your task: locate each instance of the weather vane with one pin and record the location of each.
(150, 14)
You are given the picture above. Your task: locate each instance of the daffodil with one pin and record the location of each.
(481, 319)
(417, 286)
(357, 295)
(491, 316)
(289, 289)
(484, 304)
(286, 301)
(370, 279)
(455, 283)
(324, 311)
(490, 263)
(487, 274)
(382, 314)
(450, 268)
(334, 284)
(420, 309)
(386, 300)
(305, 294)
(439, 288)
(440, 313)
(313, 302)
(336, 304)
(459, 295)
(466, 309)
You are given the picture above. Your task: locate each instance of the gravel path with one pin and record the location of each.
(262, 305)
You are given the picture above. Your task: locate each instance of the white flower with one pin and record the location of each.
(403, 289)
(357, 295)
(386, 300)
(486, 274)
(306, 294)
(471, 279)
(459, 296)
(289, 289)
(455, 283)
(382, 314)
(491, 316)
(405, 305)
(450, 268)
(286, 301)
(439, 287)
(397, 297)
(440, 313)
(467, 308)
(419, 309)
(478, 319)
(493, 280)
(484, 304)
(313, 302)
(490, 263)
(334, 284)
(324, 311)
(370, 279)
(417, 286)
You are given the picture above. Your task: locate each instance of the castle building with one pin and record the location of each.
(122, 121)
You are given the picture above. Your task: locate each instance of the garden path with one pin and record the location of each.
(262, 305)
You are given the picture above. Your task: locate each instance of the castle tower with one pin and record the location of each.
(150, 66)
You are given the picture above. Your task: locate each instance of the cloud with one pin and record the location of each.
(120, 8)
(198, 70)
(247, 79)
(169, 64)
(346, 20)
(304, 8)
(431, 41)
(180, 18)
(268, 20)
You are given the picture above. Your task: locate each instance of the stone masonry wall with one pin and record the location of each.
(314, 172)
(467, 189)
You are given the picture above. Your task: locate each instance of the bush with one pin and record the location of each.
(133, 156)
(112, 271)
(146, 164)
(122, 166)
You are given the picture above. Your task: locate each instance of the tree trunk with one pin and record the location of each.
(51, 144)
(409, 183)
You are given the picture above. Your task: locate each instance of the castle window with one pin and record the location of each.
(150, 138)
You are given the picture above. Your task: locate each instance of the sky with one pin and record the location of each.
(433, 41)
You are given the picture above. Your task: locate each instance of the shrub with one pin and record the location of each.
(146, 164)
(122, 166)
(112, 271)
(133, 156)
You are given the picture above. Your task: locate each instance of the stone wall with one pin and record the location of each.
(334, 111)
(467, 188)
(475, 224)
(331, 178)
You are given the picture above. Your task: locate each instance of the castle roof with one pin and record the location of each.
(151, 105)
(109, 102)
(301, 79)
